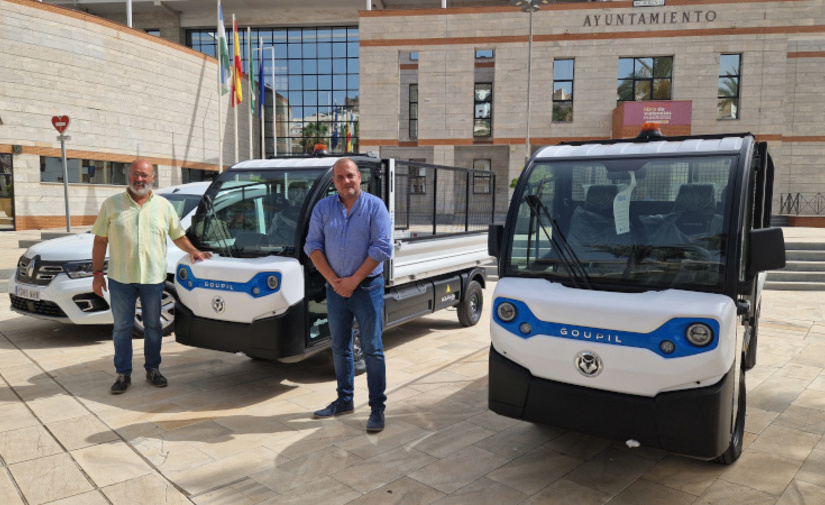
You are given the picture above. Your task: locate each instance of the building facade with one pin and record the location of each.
(431, 84)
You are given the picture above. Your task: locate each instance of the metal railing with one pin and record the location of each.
(802, 203)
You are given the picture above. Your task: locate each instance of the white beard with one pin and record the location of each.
(140, 189)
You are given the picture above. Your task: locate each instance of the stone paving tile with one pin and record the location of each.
(110, 463)
(458, 469)
(723, 492)
(763, 471)
(643, 491)
(380, 470)
(401, 492)
(289, 474)
(48, 479)
(327, 491)
(611, 471)
(791, 444)
(813, 469)
(27, 443)
(80, 432)
(451, 439)
(535, 470)
(95, 497)
(802, 493)
(684, 474)
(225, 471)
(483, 492)
(146, 489)
(8, 492)
(245, 492)
(566, 492)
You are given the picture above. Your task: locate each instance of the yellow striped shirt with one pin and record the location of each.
(137, 237)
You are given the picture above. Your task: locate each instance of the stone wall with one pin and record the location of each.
(128, 94)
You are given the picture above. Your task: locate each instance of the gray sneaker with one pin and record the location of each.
(121, 384)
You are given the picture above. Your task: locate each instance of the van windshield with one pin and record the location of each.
(632, 223)
(253, 213)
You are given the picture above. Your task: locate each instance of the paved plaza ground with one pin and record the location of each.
(233, 430)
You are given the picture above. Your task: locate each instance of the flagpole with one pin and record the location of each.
(220, 96)
(274, 109)
(249, 86)
(235, 81)
(261, 94)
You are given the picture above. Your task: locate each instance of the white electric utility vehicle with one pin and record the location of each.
(262, 296)
(629, 293)
(53, 279)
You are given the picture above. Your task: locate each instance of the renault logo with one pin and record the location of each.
(218, 305)
(30, 269)
(589, 364)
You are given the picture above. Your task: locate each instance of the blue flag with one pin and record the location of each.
(261, 87)
(335, 130)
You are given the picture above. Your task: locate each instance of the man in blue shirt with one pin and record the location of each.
(350, 237)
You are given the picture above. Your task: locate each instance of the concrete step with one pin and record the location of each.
(806, 246)
(795, 286)
(804, 255)
(804, 266)
(791, 276)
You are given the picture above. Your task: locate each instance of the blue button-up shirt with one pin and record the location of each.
(347, 239)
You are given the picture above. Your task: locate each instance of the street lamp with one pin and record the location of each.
(529, 6)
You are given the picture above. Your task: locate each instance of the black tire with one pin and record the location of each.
(167, 312)
(749, 360)
(735, 447)
(469, 309)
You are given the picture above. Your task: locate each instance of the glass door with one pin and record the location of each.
(6, 193)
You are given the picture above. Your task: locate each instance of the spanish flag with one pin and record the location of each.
(237, 70)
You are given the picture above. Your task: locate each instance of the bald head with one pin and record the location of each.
(141, 177)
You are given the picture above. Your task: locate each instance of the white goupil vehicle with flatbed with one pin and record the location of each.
(262, 296)
(630, 278)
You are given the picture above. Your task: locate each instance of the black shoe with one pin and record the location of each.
(153, 375)
(376, 421)
(336, 408)
(121, 384)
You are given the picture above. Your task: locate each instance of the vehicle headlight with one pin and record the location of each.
(506, 311)
(272, 282)
(80, 269)
(699, 334)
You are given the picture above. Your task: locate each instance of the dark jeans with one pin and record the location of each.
(124, 297)
(366, 306)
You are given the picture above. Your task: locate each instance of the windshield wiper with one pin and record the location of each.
(568, 257)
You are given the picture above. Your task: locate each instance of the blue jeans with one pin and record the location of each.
(123, 298)
(366, 305)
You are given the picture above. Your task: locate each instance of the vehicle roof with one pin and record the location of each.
(298, 162)
(633, 147)
(192, 188)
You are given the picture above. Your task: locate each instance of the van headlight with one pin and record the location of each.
(699, 334)
(80, 269)
(506, 311)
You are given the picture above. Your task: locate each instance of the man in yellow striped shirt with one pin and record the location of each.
(134, 225)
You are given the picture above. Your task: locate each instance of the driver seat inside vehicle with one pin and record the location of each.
(695, 209)
(593, 227)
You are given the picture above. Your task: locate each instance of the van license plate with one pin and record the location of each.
(27, 293)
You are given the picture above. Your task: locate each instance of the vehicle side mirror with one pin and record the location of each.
(767, 250)
(495, 234)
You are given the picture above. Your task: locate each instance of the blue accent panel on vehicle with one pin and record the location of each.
(673, 330)
(259, 281)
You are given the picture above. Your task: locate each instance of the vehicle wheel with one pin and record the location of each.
(469, 310)
(167, 312)
(357, 353)
(750, 353)
(735, 447)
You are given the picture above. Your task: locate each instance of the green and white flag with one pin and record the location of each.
(223, 51)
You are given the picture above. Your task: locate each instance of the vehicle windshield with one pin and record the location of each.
(253, 213)
(182, 203)
(633, 224)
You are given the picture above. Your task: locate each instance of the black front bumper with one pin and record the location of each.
(279, 338)
(696, 422)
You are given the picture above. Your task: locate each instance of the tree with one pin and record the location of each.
(313, 133)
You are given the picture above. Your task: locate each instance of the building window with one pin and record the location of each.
(484, 54)
(483, 110)
(153, 31)
(482, 183)
(729, 78)
(316, 79)
(414, 56)
(563, 90)
(418, 178)
(648, 78)
(413, 111)
(82, 171)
